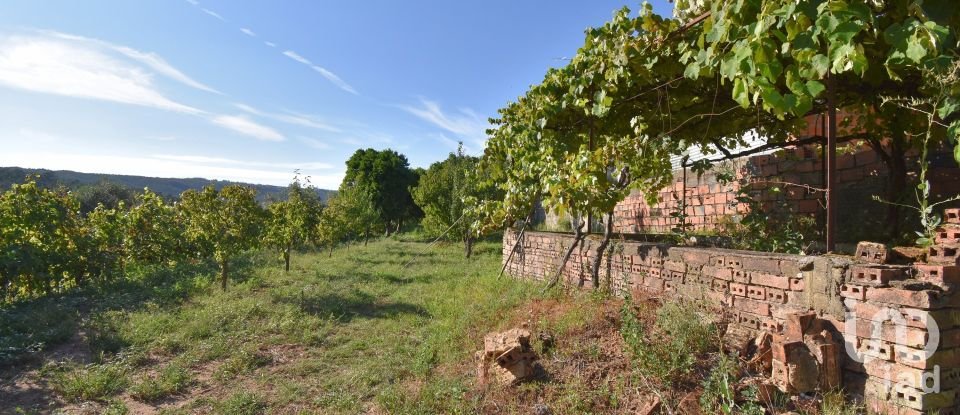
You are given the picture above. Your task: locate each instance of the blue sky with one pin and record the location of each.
(251, 90)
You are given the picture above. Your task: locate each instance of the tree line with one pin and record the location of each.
(54, 239)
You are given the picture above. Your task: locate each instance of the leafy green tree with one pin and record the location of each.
(39, 231)
(293, 222)
(332, 228)
(351, 214)
(445, 191)
(106, 193)
(152, 230)
(387, 177)
(223, 223)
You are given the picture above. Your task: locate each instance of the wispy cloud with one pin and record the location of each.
(40, 137)
(295, 56)
(291, 118)
(332, 77)
(465, 123)
(61, 66)
(213, 13)
(351, 141)
(244, 125)
(195, 159)
(326, 73)
(152, 60)
(79, 67)
(314, 143)
(309, 166)
(162, 138)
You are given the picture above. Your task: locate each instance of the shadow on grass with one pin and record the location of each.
(76, 325)
(357, 305)
(30, 327)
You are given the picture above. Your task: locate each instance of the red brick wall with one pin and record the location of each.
(757, 291)
(861, 174)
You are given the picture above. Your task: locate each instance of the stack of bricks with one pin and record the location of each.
(899, 338)
(506, 357)
(918, 369)
(884, 314)
(806, 357)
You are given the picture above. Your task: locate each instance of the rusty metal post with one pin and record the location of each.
(831, 166)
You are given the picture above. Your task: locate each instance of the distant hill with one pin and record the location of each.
(167, 187)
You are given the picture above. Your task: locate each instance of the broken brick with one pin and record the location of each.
(944, 255)
(939, 274)
(871, 252)
(952, 215)
(876, 276)
(922, 299)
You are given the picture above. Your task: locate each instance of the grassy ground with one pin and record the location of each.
(350, 333)
(355, 332)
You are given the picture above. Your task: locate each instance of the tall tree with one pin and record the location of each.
(445, 191)
(387, 177)
(223, 223)
(106, 193)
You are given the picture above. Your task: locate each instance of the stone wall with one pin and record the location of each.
(709, 201)
(883, 317)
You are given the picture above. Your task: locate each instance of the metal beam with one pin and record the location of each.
(831, 166)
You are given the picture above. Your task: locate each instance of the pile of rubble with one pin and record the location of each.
(506, 358)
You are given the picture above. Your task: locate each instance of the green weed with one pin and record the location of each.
(668, 351)
(242, 403)
(171, 380)
(90, 383)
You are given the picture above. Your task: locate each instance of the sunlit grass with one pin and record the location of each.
(334, 335)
